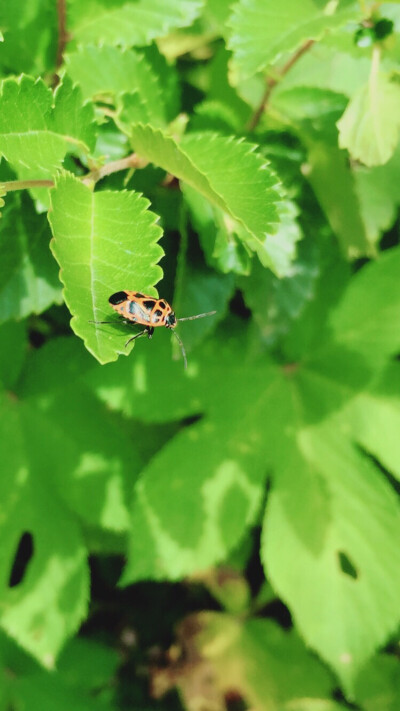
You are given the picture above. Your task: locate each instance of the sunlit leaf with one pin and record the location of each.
(369, 128)
(104, 242)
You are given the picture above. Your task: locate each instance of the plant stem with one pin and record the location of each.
(273, 81)
(62, 34)
(131, 161)
(10, 185)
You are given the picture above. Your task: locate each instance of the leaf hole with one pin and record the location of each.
(346, 566)
(22, 559)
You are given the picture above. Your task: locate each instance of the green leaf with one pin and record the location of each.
(378, 196)
(218, 236)
(369, 128)
(334, 185)
(107, 73)
(330, 547)
(28, 272)
(30, 35)
(275, 303)
(129, 24)
(223, 498)
(378, 684)
(98, 460)
(230, 174)
(374, 419)
(326, 497)
(104, 242)
(13, 342)
(261, 32)
(50, 601)
(33, 135)
(364, 319)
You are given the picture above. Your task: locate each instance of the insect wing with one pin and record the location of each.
(137, 311)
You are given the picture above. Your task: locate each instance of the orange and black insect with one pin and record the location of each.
(149, 312)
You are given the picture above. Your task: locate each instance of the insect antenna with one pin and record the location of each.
(182, 347)
(191, 318)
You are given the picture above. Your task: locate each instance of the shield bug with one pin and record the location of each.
(149, 312)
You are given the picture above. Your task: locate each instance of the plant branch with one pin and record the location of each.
(62, 32)
(272, 81)
(92, 177)
(131, 161)
(10, 185)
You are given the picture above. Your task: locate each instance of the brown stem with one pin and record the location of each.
(273, 81)
(132, 161)
(62, 39)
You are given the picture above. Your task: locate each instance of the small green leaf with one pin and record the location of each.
(369, 127)
(129, 24)
(269, 668)
(104, 242)
(378, 196)
(334, 185)
(262, 32)
(28, 273)
(32, 135)
(107, 73)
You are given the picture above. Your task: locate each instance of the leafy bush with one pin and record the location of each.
(241, 515)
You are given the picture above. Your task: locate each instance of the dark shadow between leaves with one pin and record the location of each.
(22, 559)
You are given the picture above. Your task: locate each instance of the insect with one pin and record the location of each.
(149, 312)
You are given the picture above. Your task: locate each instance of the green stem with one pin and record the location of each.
(10, 185)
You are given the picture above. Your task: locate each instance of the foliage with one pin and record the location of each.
(240, 516)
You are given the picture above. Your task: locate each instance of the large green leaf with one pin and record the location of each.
(231, 175)
(98, 461)
(129, 24)
(50, 601)
(364, 319)
(369, 128)
(330, 547)
(104, 242)
(262, 31)
(326, 498)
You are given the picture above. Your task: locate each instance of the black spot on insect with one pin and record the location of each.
(118, 297)
(138, 295)
(157, 312)
(149, 303)
(162, 304)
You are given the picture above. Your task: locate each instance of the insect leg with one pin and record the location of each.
(137, 335)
